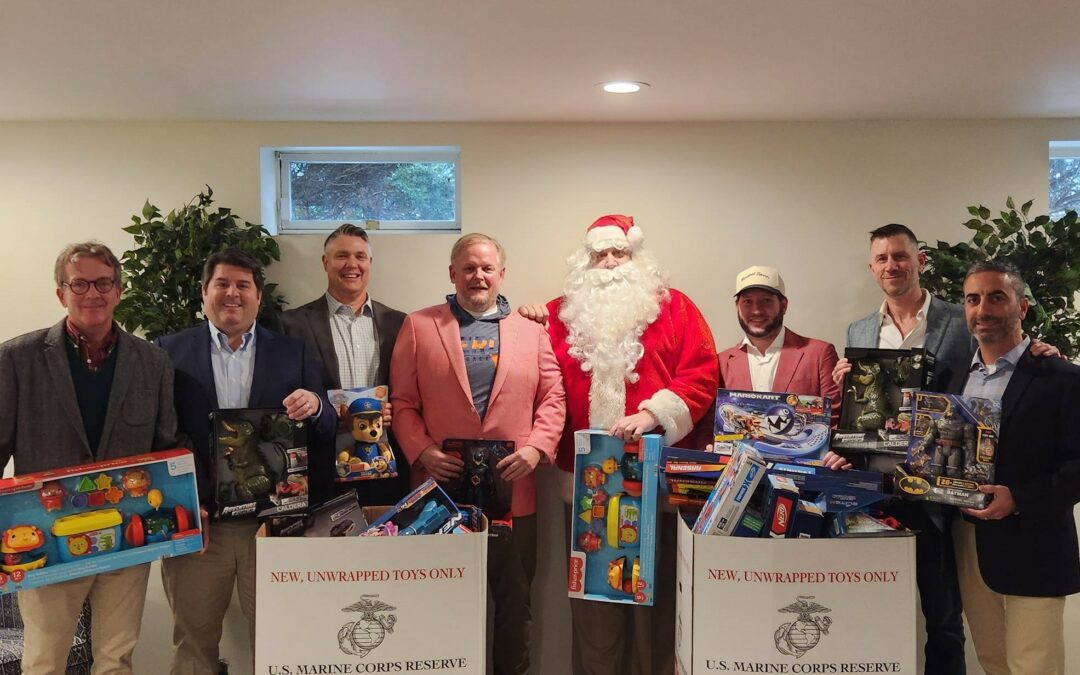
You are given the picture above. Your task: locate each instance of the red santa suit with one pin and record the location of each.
(677, 375)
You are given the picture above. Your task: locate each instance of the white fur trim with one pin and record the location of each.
(671, 412)
(635, 236)
(605, 232)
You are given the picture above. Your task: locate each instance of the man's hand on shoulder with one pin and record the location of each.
(632, 427)
(1040, 348)
(301, 405)
(534, 312)
(840, 370)
(440, 465)
(519, 464)
(1002, 506)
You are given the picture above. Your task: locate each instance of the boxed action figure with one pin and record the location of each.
(480, 483)
(724, 508)
(362, 449)
(260, 463)
(876, 412)
(613, 537)
(952, 450)
(68, 523)
(779, 426)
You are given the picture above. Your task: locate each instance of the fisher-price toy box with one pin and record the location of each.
(614, 528)
(68, 523)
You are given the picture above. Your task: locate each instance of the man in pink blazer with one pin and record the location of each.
(470, 369)
(770, 356)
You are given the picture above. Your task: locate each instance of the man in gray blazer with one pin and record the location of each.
(83, 390)
(353, 338)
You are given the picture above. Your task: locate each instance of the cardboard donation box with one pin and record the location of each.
(795, 605)
(88, 519)
(371, 604)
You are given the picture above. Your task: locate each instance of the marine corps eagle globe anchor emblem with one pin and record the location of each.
(797, 637)
(362, 636)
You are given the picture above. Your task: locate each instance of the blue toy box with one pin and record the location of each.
(614, 530)
(68, 523)
(778, 425)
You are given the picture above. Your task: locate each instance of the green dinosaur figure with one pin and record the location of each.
(875, 401)
(252, 479)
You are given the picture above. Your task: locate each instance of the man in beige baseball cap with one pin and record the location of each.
(770, 357)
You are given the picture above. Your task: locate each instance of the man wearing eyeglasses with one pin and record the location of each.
(353, 337)
(83, 390)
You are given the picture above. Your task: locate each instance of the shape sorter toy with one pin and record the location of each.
(67, 523)
(613, 545)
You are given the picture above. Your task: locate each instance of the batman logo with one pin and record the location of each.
(914, 485)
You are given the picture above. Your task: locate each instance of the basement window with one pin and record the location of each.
(404, 189)
(1064, 178)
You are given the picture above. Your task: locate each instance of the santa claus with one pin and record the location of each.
(636, 356)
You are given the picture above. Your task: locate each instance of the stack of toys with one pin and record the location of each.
(952, 450)
(778, 425)
(66, 523)
(362, 450)
(613, 538)
(260, 464)
(689, 476)
(425, 510)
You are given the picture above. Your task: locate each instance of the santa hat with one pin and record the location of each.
(614, 228)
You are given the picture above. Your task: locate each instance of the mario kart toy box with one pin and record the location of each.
(613, 544)
(952, 450)
(260, 463)
(67, 523)
(777, 425)
(875, 415)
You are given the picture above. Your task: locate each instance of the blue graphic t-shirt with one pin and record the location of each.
(480, 345)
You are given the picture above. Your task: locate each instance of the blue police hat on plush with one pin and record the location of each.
(365, 405)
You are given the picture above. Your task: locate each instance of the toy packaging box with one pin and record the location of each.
(362, 451)
(614, 532)
(67, 523)
(875, 415)
(688, 476)
(425, 510)
(734, 492)
(834, 491)
(481, 484)
(952, 450)
(260, 463)
(341, 516)
(778, 425)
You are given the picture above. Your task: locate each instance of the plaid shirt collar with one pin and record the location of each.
(89, 356)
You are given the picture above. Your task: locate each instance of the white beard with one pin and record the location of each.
(605, 317)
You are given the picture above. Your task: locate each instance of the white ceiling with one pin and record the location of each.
(537, 60)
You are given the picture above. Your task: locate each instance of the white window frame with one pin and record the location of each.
(276, 187)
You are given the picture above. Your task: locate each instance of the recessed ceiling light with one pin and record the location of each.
(623, 86)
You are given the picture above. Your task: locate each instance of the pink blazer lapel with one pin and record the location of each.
(508, 332)
(450, 335)
(790, 356)
(738, 375)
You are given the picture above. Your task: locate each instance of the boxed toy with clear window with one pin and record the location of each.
(362, 449)
(778, 425)
(614, 530)
(260, 463)
(425, 510)
(734, 492)
(67, 523)
(480, 483)
(952, 450)
(875, 415)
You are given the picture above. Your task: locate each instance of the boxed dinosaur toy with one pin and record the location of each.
(875, 414)
(260, 463)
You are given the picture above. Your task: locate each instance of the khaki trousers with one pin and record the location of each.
(199, 589)
(1013, 634)
(49, 615)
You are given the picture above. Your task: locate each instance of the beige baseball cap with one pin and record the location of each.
(759, 276)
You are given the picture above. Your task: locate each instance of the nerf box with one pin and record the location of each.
(614, 531)
(779, 502)
(952, 450)
(259, 464)
(875, 413)
(734, 491)
(778, 425)
(834, 490)
(362, 451)
(67, 523)
(803, 605)
(391, 604)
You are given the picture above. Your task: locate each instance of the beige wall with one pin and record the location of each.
(711, 198)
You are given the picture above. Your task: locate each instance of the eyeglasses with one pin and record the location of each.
(81, 286)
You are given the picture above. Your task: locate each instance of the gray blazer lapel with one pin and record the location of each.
(319, 320)
(124, 373)
(386, 344)
(937, 321)
(60, 372)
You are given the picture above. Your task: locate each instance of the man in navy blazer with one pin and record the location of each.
(1018, 556)
(229, 362)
